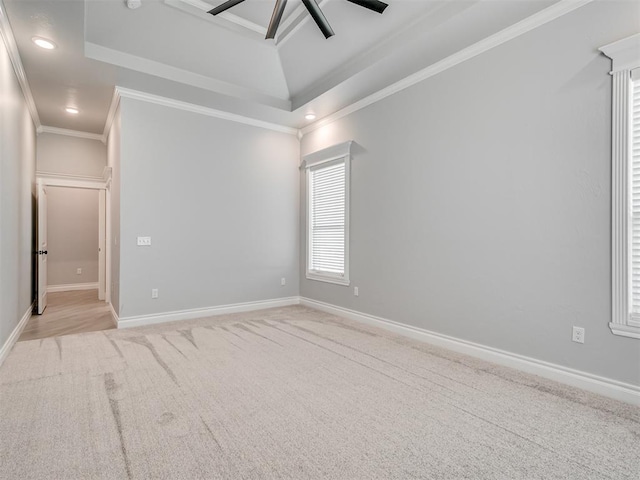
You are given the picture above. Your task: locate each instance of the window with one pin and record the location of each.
(328, 214)
(625, 215)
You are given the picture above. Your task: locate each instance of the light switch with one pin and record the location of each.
(144, 241)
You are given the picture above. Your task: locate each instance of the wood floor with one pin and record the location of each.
(69, 312)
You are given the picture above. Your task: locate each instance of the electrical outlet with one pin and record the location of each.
(154, 293)
(355, 291)
(144, 241)
(78, 271)
(283, 281)
(578, 335)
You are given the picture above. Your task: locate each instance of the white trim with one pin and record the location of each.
(624, 330)
(626, 56)
(113, 108)
(335, 153)
(211, 112)
(624, 53)
(102, 247)
(620, 255)
(327, 154)
(534, 21)
(12, 48)
(327, 277)
(13, 338)
(140, 320)
(108, 239)
(604, 386)
(107, 172)
(74, 181)
(243, 22)
(72, 287)
(114, 315)
(71, 133)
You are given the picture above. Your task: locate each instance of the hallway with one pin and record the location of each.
(67, 313)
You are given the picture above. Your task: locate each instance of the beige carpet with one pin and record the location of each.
(294, 393)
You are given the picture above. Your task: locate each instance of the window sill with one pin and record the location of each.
(328, 279)
(625, 330)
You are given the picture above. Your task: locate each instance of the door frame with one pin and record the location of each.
(94, 183)
(41, 249)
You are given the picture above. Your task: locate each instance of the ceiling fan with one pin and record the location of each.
(312, 7)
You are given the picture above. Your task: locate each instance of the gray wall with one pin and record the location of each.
(220, 201)
(71, 155)
(17, 200)
(113, 199)
(480, 201)
(72, 218)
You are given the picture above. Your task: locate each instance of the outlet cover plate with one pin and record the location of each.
(578, 335)
(144, 241)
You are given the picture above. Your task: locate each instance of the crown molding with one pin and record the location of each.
(517, 29)
(115, 101)
(12, 48)
(210, 112)
(71, 133)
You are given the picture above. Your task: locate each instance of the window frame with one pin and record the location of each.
(626, 57)
(331, 155)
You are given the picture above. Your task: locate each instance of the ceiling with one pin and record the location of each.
(173, 48)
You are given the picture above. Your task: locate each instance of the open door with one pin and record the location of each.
(42, 248)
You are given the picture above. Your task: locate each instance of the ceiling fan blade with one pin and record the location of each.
(278, 10)
(224, 6)
(374, 5)
(319, 18)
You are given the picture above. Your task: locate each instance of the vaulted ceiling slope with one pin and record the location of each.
(173, 48)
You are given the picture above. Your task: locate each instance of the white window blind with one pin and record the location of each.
(635, 193)
(327, 218)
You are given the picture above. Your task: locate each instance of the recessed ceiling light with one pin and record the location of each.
(310, 116)
(71, 110)
(44, 43)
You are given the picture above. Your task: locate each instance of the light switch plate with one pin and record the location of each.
(144, 241)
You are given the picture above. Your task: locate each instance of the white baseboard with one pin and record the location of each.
(114, 315)
(71, 287)
(604, 386)
(140, 320)
(13, 338)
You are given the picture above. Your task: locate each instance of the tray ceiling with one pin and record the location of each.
(173, 48)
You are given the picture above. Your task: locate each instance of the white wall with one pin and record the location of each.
(72, 235)
(480, 204)
(17, 200)
(71, 155)
(220, 201)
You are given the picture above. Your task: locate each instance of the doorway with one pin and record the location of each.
(72, 258)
